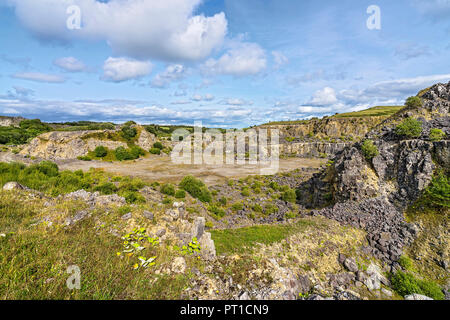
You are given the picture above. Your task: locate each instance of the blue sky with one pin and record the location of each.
(228, 63)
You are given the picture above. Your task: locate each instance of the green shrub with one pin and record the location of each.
(158, 145)
(245, 192)
(274, 185)
(133, 197)
(168, 189)
(180, 194)
(136, 152)
(155, 151)
(436, 134)
(257, 208)
(410, 128)
(369, 150)
(406, 284)
(128, 132)
(270, 208)
(106, 188)
(100, 152)
(237, 206)
(413, 102)
(196, 188)
(437, 194)
(223, 201)
(122, 154)
(289, 196)
(406, 263)
(290, 215)
(84, 158)
(217, 211)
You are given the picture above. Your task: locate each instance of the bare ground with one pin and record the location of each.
(161, 168)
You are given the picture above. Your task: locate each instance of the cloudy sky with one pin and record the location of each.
(228, 63)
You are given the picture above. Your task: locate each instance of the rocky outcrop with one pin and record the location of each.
(10, 121)
(328, 127)
(60, 145)
(312, 149)
(373, 194)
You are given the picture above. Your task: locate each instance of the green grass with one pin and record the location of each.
(406, 284)
(230, 241)
(378, 111)
(47, 178)
(34, 261)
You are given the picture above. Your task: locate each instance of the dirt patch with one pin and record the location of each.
(161, 168)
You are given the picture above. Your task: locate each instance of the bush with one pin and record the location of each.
(128, 132)
(158, 145)
(223, 201)
(436, 134)
(100, 152)
(406, 284)
(106, 188)
(410, 128)
(168, 189)
(217, 211)
(84, 158)
(289, 196)
(270, 208)
(245, 192)
(406, 263)
(257, 208)
(155, 151)
(437, 194)
(413, 102)
(136, 152)
(369, 150)
(196, 188)
(180, 194)
(237, 206)
(133, 197)
(122, 154)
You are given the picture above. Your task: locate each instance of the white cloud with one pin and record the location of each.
(242, 59)
(392, 89)
(174, 72)
(237, 102)
(206, 97)
(279, 58)
(70, 64)
(39, 77)
(142, 29)
(326, 96)
(123, 69)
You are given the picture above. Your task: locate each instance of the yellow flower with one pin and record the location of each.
(136, 266)
(118, 253)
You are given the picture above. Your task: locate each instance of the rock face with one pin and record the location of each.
(373, 194)
(10, 121)
(312, 149)
(60, 145)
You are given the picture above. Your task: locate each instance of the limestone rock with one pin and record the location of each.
(13, 186)
(179, 265)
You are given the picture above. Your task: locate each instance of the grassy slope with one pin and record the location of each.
(241, 240)
(379, 111)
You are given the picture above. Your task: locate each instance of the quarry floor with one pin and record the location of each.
(162, 169)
